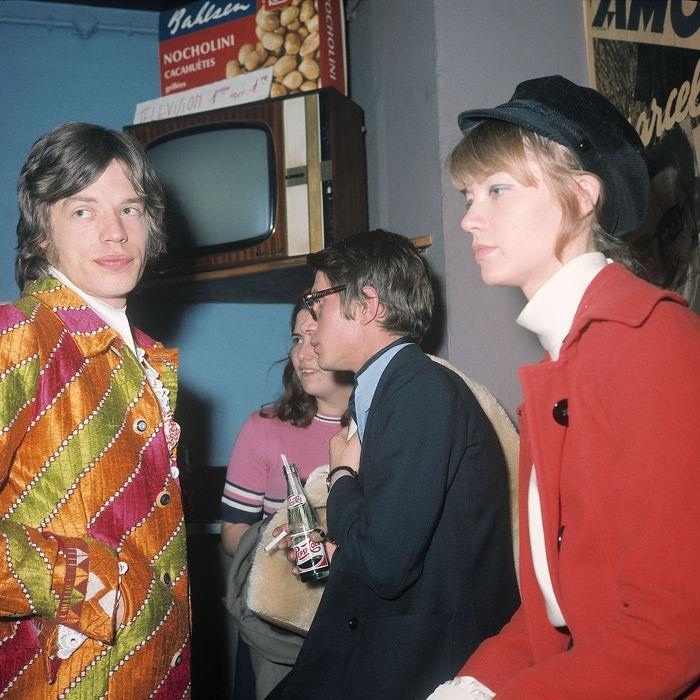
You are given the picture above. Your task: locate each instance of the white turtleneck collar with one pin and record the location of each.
(115, 318)
(551, 310)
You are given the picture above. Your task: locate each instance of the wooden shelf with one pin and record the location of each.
(273, 282)
(422, 242)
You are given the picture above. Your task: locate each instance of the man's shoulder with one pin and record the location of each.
(11, 315)
(410, 355)
(435, 383)
(413, 360)
(413, 369)
(18, 314)
(39, 305)
(19, 341)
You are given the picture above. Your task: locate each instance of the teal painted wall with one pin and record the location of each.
(49, 74)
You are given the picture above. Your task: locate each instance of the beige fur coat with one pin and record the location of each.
(274, 594)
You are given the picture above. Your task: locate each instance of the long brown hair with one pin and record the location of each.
(294, 405)
(65, 161)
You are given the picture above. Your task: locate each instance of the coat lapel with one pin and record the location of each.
(546, 390)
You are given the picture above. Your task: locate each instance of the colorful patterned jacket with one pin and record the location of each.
(91, 519)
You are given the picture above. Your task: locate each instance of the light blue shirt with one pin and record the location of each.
(367, 381)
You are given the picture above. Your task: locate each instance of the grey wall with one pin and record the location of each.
(392, 65)
(414, 65)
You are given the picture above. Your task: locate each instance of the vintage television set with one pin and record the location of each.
(257, 185)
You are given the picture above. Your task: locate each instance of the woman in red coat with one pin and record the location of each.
(610, 434)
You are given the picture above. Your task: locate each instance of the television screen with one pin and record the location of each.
(219, 183)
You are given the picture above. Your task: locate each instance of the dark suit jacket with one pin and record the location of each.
(424, 569)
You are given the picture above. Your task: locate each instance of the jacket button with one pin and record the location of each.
(560, 536)
(561, 412)
(353, 623)
(140, 426)
(165, 578)
(176, 660)
(164, 498)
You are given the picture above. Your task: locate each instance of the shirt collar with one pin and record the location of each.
(116, 318)
(550, 312)
(367, 379)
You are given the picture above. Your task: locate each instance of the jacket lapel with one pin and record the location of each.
(545, 390)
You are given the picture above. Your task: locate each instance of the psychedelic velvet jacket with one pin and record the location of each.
(91, 520)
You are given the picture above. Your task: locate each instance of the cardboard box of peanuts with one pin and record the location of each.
(207, 41)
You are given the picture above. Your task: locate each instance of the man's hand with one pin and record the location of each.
(345, 451)
(317, 535)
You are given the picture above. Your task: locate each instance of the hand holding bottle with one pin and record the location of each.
(310, 553)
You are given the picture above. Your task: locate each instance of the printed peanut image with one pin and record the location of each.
(288, 40)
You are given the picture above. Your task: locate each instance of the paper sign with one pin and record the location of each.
(249, 87)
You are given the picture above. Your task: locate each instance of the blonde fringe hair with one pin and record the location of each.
(495, 146)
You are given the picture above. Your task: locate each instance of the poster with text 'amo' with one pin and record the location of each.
(645, 57)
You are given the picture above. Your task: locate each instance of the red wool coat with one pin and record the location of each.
(619, 480)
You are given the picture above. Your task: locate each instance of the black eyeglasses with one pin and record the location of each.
(312, 298)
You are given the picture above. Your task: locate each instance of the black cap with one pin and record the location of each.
(600, 137)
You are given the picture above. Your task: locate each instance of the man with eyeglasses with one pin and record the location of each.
(418, 496)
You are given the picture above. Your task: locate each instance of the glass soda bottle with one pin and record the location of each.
(312, 560)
